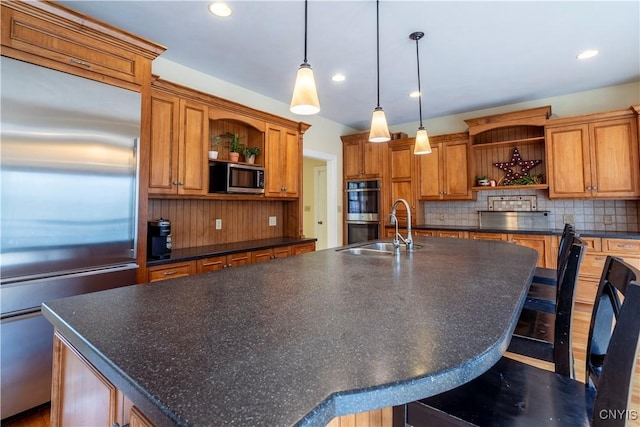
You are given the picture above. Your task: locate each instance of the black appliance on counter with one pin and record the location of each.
(363, 207)
(159, 239)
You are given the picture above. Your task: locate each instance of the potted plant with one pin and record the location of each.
(482, 181)
(213, 147)
(235, 147)
(250, 154)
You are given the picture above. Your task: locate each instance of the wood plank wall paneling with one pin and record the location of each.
(484, 159)
(195, 225)
(508, 134)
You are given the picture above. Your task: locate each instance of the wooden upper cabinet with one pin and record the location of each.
(444, 174)
(362, 159)
(283, 159)
(400, 182)
(179, 140)
(597, 158)
(54, 36)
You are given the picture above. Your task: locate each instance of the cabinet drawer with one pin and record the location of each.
(303, 248)
(261, 255)
(212, 264)
(594, 244)
(586, 290)
(592, 264)
(487, 236)
(74, 46)
(170, 271)
(621, 246)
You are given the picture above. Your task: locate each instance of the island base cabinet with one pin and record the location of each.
(82, 396)
(379, 417)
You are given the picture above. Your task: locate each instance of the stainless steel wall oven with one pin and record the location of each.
(363, 210)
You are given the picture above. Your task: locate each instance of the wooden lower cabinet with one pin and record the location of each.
(180, 269)
(593, 263)
(137, 419)
(390, 232)
(81, 395)
(543, 244)
(303, 248)
(376, 418)
(170, 271)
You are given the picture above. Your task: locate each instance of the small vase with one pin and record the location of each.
(234, 156)
(213, 155)
(251, 159)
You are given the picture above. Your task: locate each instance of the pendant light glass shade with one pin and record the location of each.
(305, 96)
(422, 145)
(379, 129)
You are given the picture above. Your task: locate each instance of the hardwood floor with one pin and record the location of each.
(582, 316)
(37, 417)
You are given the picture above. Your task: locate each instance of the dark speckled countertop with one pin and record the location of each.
(552, 232)
(197, 252)
(297, 341)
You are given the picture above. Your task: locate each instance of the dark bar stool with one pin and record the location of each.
(513, 393)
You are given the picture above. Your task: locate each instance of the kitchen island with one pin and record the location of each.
(301, 340)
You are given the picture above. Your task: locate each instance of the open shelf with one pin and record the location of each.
(522, 141)
(512, 187)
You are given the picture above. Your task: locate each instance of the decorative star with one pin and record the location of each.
(525, 166)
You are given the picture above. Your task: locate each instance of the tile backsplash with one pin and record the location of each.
(593, 215)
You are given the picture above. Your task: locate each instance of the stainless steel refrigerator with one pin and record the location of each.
(68, 171)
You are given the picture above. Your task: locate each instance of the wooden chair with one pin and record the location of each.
(537, 332)
(543, 292)
(513, 393)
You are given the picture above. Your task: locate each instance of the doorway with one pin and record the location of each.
(320, 198)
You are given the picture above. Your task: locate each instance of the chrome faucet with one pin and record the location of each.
(396, 240)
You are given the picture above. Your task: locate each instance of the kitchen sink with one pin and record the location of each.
(376, 248)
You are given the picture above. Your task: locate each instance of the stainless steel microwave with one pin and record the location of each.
(227, 177)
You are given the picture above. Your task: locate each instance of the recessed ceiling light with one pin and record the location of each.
(414, 94)
(220, 9)
(590, 53)
(338, 77)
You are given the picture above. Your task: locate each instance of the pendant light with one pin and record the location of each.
(305, 97)
(379, 130)
(422, 145)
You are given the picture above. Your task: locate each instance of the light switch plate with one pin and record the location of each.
(272, 221)
(218, 224)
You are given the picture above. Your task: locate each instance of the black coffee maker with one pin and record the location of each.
(159, 239)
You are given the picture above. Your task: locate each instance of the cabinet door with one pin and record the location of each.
(163, 152)
(541, 243)
(137, 419)
(75, 381)
(614, 158)
(401, 173)
(372, 153)
(429, 173)
(282, 162)
(568, 163)
(192, 154)
(455, 171)
(352, 159)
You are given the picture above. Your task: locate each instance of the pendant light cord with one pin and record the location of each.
(305, 31)
(378, 47)
(419, 89)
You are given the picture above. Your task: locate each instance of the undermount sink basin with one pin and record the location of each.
(365, 251)
(376, 248)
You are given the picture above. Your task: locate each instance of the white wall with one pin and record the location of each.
(575, 104)
(323, 136)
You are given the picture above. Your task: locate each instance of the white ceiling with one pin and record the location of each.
(475, 55)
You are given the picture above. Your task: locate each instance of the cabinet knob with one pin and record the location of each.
(595, 188)
(175, 182)
(589, 188)
(180, 182)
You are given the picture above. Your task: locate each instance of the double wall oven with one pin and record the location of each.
(363, 211)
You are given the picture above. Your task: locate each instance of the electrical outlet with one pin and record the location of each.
(441, 217)
(218, 224)
(608, 219)
(272, 221)
(568, 219)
